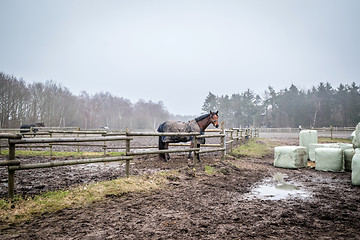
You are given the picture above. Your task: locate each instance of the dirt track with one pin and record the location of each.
(196, 205)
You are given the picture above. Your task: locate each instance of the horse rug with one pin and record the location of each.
(178, 126)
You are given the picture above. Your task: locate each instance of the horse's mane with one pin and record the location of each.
(202, 117)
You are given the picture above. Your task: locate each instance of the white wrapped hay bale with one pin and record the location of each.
(355, 175)
(348, 155)
(356, 136)
(345, 146)
(290, 157)
(329, 159)
(314, 146)
(308, 137)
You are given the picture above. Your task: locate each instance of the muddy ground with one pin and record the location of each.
(196, 205)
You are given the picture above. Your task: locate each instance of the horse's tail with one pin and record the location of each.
(161, 127)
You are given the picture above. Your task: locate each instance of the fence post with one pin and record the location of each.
(11, 173)
(127, 165)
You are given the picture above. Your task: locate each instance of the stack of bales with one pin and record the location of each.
(335, 157)
(331, 156)
(355, 165)
(295, 156)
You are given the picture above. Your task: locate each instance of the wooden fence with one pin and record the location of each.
(324, 131)
(235, 136)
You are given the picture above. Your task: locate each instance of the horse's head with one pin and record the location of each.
(214, 118)
(40, 124)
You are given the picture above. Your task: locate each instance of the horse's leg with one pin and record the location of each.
(191, 146)
(167, 154)
(161, 147)
(198, 155)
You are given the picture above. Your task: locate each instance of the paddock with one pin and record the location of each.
(195, 204)
(226, 139)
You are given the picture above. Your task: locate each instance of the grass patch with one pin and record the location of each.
(21, 209)
(254, 148)
(209, 170)
(334, 140)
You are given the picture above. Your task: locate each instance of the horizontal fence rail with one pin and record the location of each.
(68, 162)
(289, 129)
(330, 132)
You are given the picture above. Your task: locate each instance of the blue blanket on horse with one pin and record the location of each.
(177, 126)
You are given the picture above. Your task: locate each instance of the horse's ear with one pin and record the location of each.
(211, 112)
(216, 112)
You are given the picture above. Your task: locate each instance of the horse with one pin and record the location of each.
(29, 126)
(198, 124)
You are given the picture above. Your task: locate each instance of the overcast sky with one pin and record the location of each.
(179, 51)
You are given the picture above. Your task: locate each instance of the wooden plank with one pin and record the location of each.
(77, 139)
(213, 130)
(212, 150)
(11, 173)
(188, 145)
(211, 135)
(76, 145)
(9, 162)
(162, 151)
(79, 132)
(11, 135)
(157, 134)
(68, 162)
(124, 147)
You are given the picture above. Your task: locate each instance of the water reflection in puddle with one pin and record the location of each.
(276, 188)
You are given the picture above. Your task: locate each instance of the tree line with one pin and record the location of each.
(56, 106)
(320, 106)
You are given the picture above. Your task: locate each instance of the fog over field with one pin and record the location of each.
(179, 51)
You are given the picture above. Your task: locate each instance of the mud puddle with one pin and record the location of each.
(276, 188)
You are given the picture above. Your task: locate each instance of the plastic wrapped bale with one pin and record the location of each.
(314, 146)
(355, 175)
(306, 138)
(329, 159)
(290, 157)
(348, 155)
(345, 146)
(356, 136)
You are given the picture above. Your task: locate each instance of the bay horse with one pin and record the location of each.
(198, 124)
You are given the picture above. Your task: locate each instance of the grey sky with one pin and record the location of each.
(179, 51)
